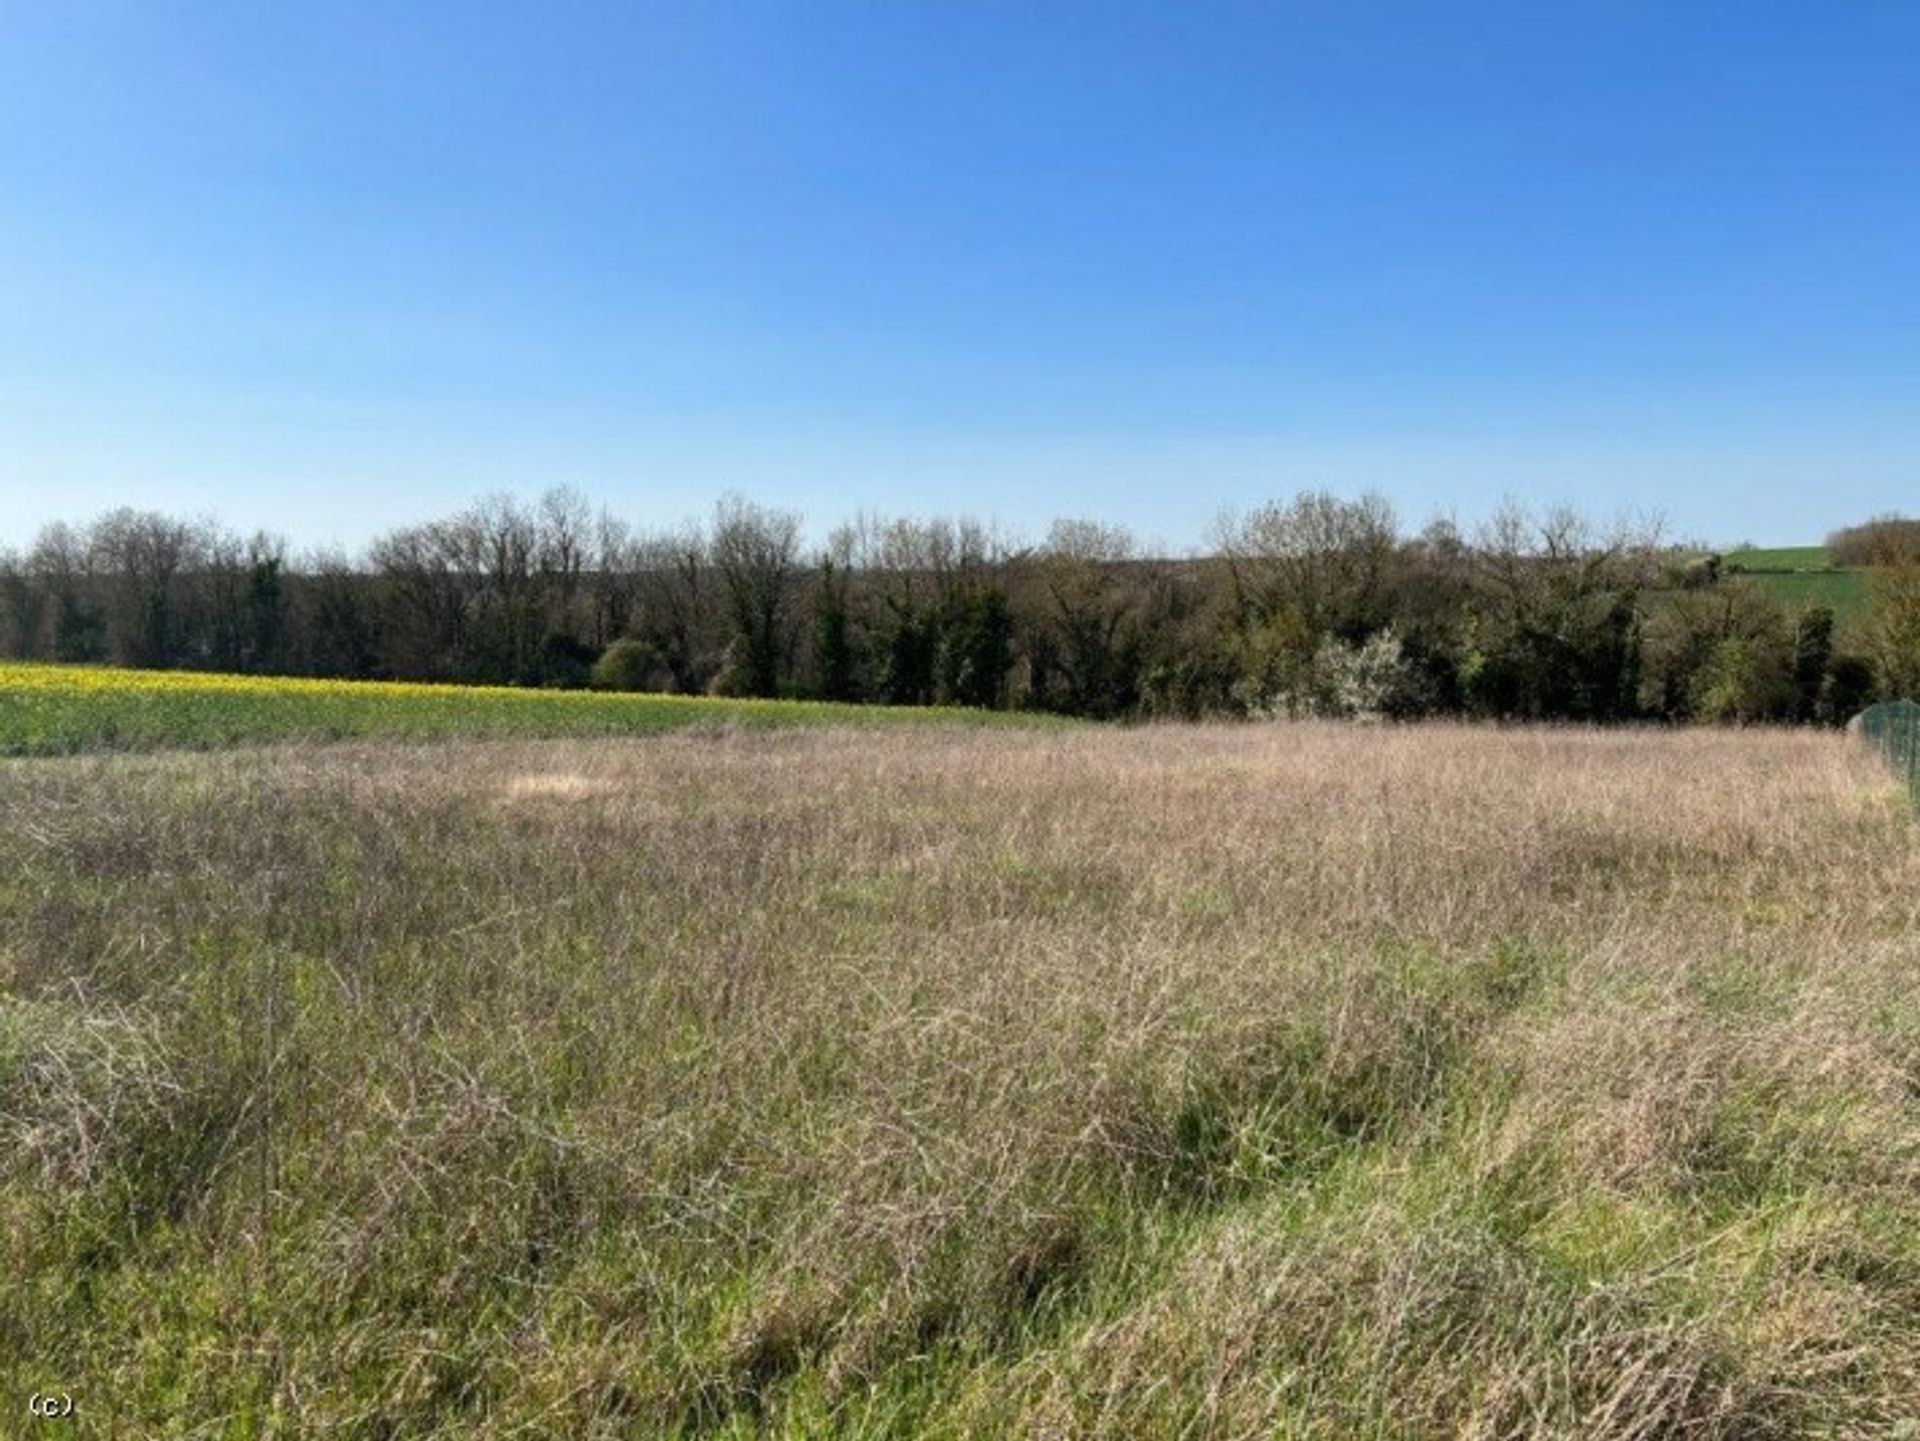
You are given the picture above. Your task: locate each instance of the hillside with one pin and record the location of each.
(1799, 576)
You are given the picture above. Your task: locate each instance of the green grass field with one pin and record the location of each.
(1792, 557)
(1801, 576)
(1845, 591)
(57, 710)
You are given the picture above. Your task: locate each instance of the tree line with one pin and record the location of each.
(1315, 605)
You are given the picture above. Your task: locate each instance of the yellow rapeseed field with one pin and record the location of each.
(57, 709)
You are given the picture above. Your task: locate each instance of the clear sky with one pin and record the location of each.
(328, 267)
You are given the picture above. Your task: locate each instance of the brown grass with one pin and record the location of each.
(1229, 1081)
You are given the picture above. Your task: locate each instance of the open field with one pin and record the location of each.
(1844, 591)
(1792, 557)
(61, 709)
(1309, 1081)
(1801, 576)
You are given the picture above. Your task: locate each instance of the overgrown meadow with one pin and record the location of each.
(1296, 1080)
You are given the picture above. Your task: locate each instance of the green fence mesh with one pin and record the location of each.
(1895, 728)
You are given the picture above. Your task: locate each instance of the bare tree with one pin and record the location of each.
(335, 630)
(1321, 559)
(430, 579)
(612, 581)
(754, 551)
(20, 605)
(1884, 540)
(1554, 614)
(242, 603)
(675, 579)
(145, 559)
(1084, 656)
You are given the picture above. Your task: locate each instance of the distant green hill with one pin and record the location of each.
(1792, 557)
(1799, 576)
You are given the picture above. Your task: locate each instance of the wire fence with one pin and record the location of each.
(1895, 728)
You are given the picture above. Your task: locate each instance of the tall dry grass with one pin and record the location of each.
(1233, 1081)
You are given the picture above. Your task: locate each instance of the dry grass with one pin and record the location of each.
(1304, 1081)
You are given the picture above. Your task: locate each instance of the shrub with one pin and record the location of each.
(1891, 627)
(1274, 659)
(1849, 688)
(1746, 678)
(629, 664)
(1812, 659)
(1720, 654)
(1367, 681)
(566, 662)
(1364, 681)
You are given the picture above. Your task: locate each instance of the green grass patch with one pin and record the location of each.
(1800, 576)
(1789, 557)
(1845, 591)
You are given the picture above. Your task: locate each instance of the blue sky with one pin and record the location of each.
(330, 267)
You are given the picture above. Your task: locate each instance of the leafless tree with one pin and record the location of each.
(755, 550)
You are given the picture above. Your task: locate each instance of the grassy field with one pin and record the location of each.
(1793, 557)
(1844, 591)
(1802, 576)
(1297, 1081)
(55, 709)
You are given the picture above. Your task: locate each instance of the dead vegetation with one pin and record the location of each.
(1296, 1080)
